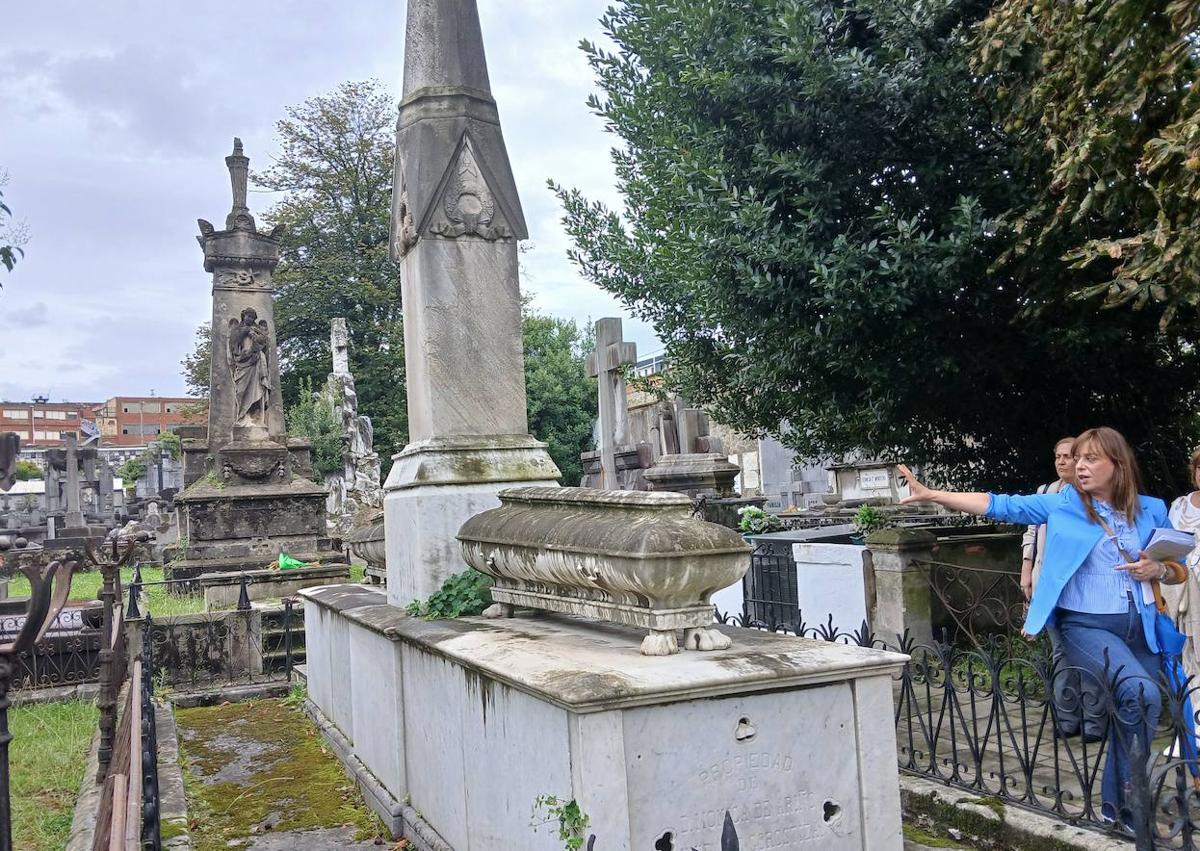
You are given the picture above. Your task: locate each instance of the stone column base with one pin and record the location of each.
(434, 487)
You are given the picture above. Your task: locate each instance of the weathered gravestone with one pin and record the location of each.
(250, 494)
(618, 464)
(354, 489)
(456, 220)
(456, 728)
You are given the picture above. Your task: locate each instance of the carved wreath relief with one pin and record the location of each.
(468, 203)
(249, 361)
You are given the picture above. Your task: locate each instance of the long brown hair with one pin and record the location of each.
(1127, 476)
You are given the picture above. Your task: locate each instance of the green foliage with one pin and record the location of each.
(171, 442)
(198, 362)
(132, 470)
(335, 169)
(27, 470)
(813, 205)
(560, 397)
(313, 417)
(869, 519)
(11, 238)
(754, 521)
(135, 467)
(1101, 100)
(572, 821)
(462, 595)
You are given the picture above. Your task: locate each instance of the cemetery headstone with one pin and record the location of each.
(618, 463)
(250, 495)
(354, 491)
(456, 221)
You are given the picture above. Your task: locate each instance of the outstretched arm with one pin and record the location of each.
(970, 503)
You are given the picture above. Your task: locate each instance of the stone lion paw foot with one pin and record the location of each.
(703, 638)
(660, 643)
(498, 610)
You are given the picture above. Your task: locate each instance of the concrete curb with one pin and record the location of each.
(230, 694)
(87, 804)
(988, 817)
(400, 818)
(54, 694)
(172, 801)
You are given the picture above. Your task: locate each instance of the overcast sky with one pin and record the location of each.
(115, 118)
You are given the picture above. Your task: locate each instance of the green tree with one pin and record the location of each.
(12, 236)
(197, 362)
(560, 397)
(27, 470)
(313, 417)
(1102, 100)
(811, 194)
(334, 167)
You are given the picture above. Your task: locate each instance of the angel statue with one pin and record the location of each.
(249, 353)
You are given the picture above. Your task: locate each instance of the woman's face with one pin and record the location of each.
(1064, 460)
(1093, 470)
(1196, 474)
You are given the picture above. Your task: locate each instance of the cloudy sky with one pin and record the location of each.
(114, 121)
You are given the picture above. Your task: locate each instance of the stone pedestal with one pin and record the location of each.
(434, 487)
(695, 474)
(455, 728)
(903, 597)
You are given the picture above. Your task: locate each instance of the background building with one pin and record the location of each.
(42, 423)
(137, 420)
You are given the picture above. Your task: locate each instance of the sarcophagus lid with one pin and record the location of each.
(630, 557)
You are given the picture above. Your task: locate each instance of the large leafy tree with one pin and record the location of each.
(811, 201)
(561, 397)
(1103, 101)
(334, 167)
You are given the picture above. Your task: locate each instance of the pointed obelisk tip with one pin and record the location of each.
(444, 47)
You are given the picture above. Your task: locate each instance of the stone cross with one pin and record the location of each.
(605, 364)
(74, 516)
(339, 342)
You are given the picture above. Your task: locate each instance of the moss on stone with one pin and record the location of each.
(171, 829)
(912, 833)
(292, 783)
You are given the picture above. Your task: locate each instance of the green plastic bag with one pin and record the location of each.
(286, 562)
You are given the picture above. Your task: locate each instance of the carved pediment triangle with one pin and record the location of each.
(465, 203)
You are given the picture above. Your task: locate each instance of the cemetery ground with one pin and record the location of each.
(258, 776)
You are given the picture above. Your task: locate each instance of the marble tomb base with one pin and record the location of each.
(454, 729)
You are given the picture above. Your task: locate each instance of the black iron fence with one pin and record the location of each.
(1004, 719)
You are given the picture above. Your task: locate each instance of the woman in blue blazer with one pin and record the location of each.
(1095, 586)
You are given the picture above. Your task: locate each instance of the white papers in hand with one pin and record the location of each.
(1170, 545)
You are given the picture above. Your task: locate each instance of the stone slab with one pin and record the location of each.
(222, 590)
(590, 667)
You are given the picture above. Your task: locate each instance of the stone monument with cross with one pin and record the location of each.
(250, 493)
(456, 221)
(606, 364)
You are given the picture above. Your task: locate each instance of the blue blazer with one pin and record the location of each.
(1070, 536)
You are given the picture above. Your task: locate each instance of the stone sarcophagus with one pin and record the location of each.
(629, 557)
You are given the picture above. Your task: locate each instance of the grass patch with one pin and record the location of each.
(48, 758)
(286, 776)
(155, 599)
(358, 572)
(912, 833)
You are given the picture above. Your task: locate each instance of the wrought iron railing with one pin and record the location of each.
(977, 602)
(986, 719)
(250, 645)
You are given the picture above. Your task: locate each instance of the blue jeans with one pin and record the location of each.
(1131, 675)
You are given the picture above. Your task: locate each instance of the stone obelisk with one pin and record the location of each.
(456, 220)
